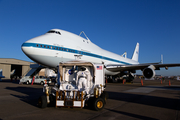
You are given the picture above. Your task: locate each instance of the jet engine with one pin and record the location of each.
(149, 72)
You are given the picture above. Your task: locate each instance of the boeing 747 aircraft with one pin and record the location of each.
(60, 46)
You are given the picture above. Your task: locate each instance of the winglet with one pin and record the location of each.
(161, 59)
(136, 53)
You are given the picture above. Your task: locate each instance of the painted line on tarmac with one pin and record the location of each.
(148, 89)
(141, 90)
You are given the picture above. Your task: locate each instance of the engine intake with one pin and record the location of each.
(149, 72)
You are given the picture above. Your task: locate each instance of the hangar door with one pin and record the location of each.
(16, 71)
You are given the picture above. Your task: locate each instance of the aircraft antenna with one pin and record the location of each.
(84, 35)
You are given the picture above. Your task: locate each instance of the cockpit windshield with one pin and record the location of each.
(53, 31)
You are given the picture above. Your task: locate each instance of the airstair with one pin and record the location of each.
(32, 71)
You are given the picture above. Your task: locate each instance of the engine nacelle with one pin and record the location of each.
(149, 72)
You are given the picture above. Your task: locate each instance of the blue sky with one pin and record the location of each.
(114, 25)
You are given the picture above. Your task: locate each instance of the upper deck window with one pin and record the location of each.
(52, 31)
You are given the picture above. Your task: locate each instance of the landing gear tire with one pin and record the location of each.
(105, 96)
(42, 102)
(98, 104)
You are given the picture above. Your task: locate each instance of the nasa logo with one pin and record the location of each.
(70, 72)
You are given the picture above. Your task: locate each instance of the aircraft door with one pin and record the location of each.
(59, 55)
(78, 56)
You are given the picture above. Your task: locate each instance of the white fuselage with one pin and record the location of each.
(52, 48)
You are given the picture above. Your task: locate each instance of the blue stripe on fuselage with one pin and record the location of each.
(51, 47)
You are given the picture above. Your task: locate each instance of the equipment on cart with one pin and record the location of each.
(79, 84)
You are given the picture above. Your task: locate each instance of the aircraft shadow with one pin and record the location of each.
(177, 88)
(155, 101)
(31, 94)
(132, 115)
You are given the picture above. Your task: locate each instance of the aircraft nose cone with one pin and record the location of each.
(26, 48)
(22, 47)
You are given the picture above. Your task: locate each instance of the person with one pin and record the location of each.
(82, 79)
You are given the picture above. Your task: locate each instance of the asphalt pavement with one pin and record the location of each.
(152, 101)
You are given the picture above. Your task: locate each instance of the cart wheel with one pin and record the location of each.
(98, 104)
(42, 102)
(52, 100)
(105, 96)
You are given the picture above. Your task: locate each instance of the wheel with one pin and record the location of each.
(52, 100)
(98, 104)
(42, 102)
(27, 82)
(42, 83)
(104, 96)
(89, 103)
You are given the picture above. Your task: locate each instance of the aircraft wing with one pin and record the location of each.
(155, 66)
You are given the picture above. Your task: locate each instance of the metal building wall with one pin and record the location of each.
(25, 68)
(6, 63)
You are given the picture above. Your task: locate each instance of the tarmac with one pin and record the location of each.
(152, 101)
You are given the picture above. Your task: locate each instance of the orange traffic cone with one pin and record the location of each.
(169, 83)
(32, 81)
(141, 82)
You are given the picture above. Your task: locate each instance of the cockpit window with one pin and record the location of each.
(52, 31)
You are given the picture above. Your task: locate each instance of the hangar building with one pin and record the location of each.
(9, 65)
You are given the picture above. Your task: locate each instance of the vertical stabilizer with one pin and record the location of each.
(136, 53)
